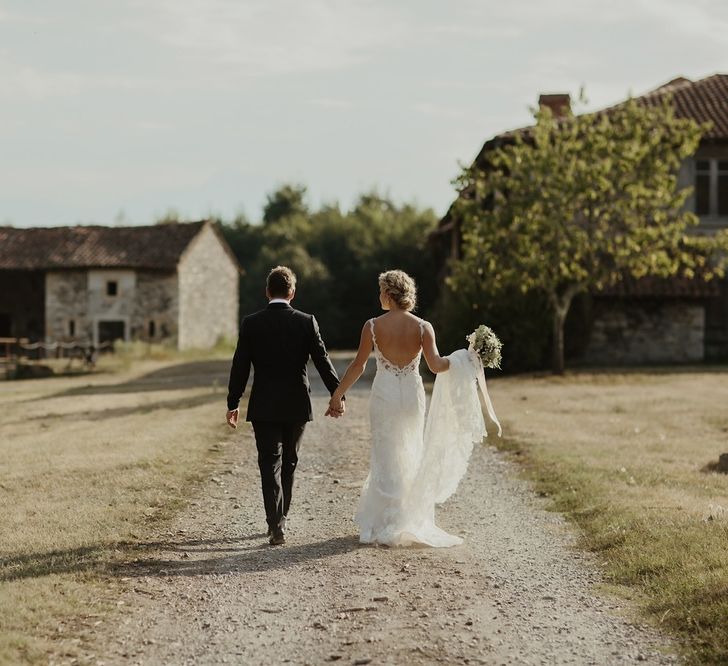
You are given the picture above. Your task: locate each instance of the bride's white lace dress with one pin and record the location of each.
(416, 464)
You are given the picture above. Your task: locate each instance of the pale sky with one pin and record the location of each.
(123, 109)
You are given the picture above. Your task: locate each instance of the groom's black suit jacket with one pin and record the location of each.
(278, 342)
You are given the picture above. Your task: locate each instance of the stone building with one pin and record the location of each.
(650, 321)
(176, 282)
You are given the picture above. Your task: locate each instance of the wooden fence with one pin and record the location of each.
(14, 351)
(10, 347)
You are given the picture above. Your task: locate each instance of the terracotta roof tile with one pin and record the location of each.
(41, 248)
(703, 100)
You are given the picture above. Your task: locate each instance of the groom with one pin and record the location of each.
(278, 342)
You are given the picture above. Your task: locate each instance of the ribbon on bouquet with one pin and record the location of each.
(484, 390)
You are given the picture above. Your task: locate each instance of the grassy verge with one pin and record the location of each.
(87, 474)
(142, 351)
(630, 458)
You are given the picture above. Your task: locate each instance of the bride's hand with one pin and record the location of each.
(336, 407)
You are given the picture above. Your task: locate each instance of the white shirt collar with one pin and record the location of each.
(278, 300)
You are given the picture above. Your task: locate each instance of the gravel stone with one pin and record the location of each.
(516, 592)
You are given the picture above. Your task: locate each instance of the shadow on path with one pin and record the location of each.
(256, 558)
(195, 374)
(118, 412)
(240, 557)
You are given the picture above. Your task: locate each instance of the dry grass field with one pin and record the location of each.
(91, 465)
(630, 457)
(87, 465)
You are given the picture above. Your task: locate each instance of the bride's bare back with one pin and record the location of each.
(399, 336)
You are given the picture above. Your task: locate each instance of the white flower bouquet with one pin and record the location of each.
(484, 342)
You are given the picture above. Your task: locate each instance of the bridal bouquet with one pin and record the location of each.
(487, 345)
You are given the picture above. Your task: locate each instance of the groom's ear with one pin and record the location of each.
(292, 293)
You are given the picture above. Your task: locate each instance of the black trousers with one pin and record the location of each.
(277, 443)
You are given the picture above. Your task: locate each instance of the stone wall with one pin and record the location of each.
(716, 326)
(156, 302)
(197, 305)
(208, 292)
(66, 300)
(636, 332)
(103, 307)
(82, 296)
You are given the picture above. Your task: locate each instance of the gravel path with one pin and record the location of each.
(517, 591)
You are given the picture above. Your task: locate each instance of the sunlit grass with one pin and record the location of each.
(160, 351)
(628, 457)
(85, 472)
(87, 469)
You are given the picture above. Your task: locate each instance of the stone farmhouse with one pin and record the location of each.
(168, 282)
(650, 320)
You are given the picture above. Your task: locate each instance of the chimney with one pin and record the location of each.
(559, 103)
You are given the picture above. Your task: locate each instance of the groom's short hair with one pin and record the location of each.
(281, 282)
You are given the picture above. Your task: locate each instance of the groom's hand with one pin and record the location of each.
(336, 408)
(232, 417)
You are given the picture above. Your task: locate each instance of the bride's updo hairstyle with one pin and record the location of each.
(400, 287)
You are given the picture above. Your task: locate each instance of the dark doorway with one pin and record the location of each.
(111, 330)
(22, 304)
(6, 325)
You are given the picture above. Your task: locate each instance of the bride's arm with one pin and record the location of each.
(357, 366)
(435, 362)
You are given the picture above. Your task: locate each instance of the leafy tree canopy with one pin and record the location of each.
(336, 255)
(286, 201)
(579, 203)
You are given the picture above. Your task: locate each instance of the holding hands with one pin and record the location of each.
(336, 407)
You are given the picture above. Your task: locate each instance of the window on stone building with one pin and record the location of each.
(711, 188)
(702, 187)
(152, 328)
(112, 288)
(71, 328)
(722, 187)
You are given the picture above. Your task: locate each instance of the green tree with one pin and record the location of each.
(286, 201)
(579, 203)
(374, 236)
(337, 256)
(261, 247)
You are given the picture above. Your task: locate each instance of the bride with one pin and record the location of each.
(413, 464)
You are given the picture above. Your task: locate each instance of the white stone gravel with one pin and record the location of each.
(517, 591)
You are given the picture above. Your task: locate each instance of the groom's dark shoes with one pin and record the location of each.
(282, 524)
(277, 537)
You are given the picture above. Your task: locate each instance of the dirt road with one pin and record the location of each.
(517, 591)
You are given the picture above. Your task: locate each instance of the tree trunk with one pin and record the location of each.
(557, 363)
(560, 305)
